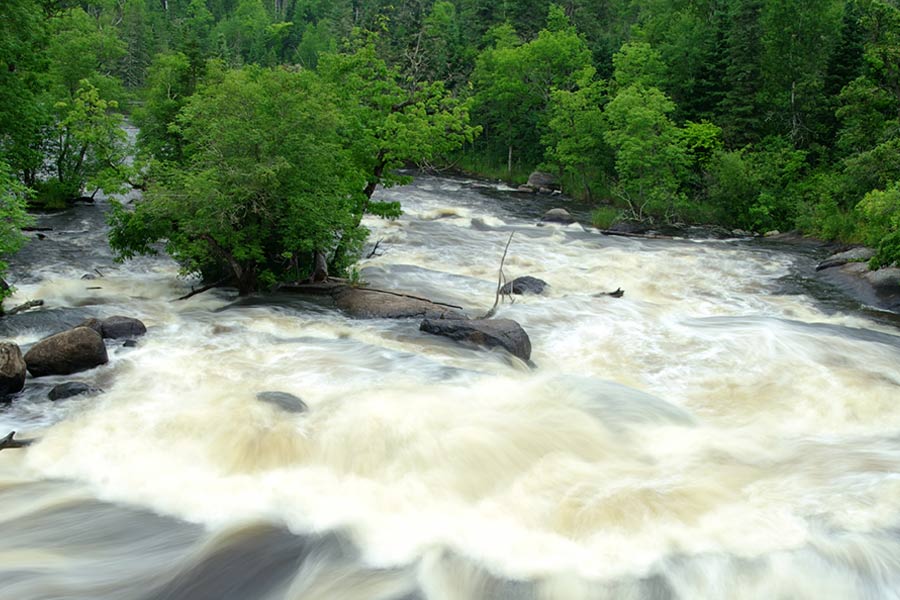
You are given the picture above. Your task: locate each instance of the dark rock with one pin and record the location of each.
(540, 179)
(286, 402)
(524, 285)
(70, 389)
(369, 304)
(45, 320)
(558, 215)
(122, 327)
(130, 344)
(490, 333)
(95, 324)
(860, 254)
(635, 227)
(68, 352)
(12, 369)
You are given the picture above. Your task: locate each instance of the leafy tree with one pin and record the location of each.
(12, 218)
(266, 182)
(880, 212)
(170, 83)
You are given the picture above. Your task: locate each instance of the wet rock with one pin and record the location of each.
(525, 189)
(541, 180)
(70, 389)
(886, 282)
(95, 324)
(286, 402)
(68, 352)
(524, 285)
(558, 215)
(118, 327)
(12, 369)
(130, 344)
(489, 333)
(860, 254)
(772, 233)
(369, 304)
(630, 227)
(44, 320)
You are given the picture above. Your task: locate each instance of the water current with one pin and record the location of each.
(727, 429)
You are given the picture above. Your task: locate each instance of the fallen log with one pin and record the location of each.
(23, 307)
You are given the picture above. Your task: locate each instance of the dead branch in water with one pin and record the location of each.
(500, 279)
(374, 251)
(205, 288)
(9, 443)
(23, 307)
(402, 295)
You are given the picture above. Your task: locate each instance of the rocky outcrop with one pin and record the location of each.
(286, 402)
(119, 327)
(370, 304)
(489, 333)
(879, 288)
(70, 389)
(524, 285)
(558, 215)
(68, 352)
(861, 254)
(12, 369)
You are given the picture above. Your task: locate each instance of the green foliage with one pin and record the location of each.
(170, 83)
(650, 159)
(880, 213)
(603, 217)
(12, 218)
(266, 182)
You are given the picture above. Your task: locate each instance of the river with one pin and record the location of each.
(727, 429)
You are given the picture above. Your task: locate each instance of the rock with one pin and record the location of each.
(490, 333)
(369, 304)
(68, 352)
(95, 324)
(12, 369)
(635, 227)
(286, 402)
(886, 281)
(524, 285)
(122, 327)
(69, 389)
(525, 189)
(860, 254)
(773, 233)
(130, 344)
(541, 179)
(558, 215)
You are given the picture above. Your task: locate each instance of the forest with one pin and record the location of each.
(265, 126)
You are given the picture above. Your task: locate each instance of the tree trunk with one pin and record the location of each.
(509, 160)
(320, 272)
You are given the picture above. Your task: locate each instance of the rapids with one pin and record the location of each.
(727, 429)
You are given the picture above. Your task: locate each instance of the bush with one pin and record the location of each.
(605, 216)
(880, 219)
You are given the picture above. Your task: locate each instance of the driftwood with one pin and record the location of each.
(23, 307)
(501, 278)
(205, 288)
(374, 251)
(9, 443)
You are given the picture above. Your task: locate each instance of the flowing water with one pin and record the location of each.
(718, 432)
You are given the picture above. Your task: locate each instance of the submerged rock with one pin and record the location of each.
(840, 259)
(286, 402)
(558, 215)
(12, 369)
(70, 389)
(489, 333)
(524, 285)
(122, 327)
(68, 352)
(370, 304)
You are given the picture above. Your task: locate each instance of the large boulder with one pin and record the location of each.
(489, 333)
(524, 285)
(118, 327)
(860, 254)
(541, 179)
(12, 369)
(68, 352)
(558, 215)
(369, 304)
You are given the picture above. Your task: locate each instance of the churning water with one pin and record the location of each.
(712, 434)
